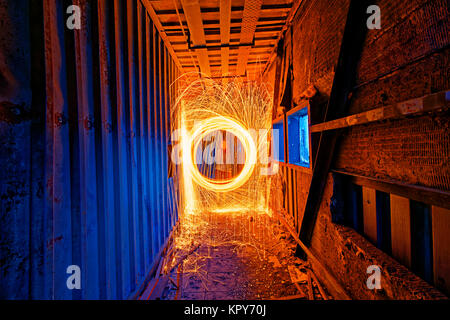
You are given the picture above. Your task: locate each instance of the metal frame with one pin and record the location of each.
(311, 151)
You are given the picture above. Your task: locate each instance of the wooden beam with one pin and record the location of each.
(344, 80)
(370, 214)
(250, 17)
(401, 229)
(334, 287)
(427, 103)
(441, 251)
(295, 6)
(185, 38)
(235, 9)
(418, 193)
(192, 12)
(278, 70)
(225, 23)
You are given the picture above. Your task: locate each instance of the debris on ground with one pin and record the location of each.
(237, 257)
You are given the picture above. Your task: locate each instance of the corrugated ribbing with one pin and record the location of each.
(87, 164)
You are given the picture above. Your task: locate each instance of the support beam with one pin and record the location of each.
(432, 102)
(250, 17)
(441, 251)
(288, 22)
(225, 23)
(192, 12)
(414, 192)
(344, 80)
(401, 229)
(370, 214)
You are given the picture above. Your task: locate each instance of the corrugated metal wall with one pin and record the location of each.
(84, 130)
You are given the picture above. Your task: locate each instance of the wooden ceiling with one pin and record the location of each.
(226, 37)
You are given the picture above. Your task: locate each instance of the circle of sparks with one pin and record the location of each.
(227, 124)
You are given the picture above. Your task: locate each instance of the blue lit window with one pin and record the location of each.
(298, 138)
(278, 141)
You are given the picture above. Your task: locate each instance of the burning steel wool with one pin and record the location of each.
(221, 136)
(223, 167)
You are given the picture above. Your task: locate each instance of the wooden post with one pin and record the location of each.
(441, 251)
(401, 229)
(370, 214)
(343, 83)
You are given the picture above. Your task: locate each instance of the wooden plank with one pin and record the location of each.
(225, 22)
(418, 193)
(281, 8)
(427, 103)
(401, 229)
(343, 83)
(322, 272)
(441, 249)
(288, 22)
(319, 286)
(370, 214)
(250, 17)
(289, 191)
(299, 217)
(194, 20)
(295, 195)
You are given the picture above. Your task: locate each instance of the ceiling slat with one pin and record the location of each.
(250, 17)
(194, 20)
(225, 23)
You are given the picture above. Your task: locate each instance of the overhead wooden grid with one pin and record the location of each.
(221, 38)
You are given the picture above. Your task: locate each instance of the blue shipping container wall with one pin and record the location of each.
(84, 130)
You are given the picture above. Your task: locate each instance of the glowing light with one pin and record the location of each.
(209, 126)
(204, 113)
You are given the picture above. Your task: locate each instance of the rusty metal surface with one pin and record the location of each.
(84, 138)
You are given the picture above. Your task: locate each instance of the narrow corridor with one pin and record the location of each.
(224, 149)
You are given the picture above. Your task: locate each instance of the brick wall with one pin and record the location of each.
(412, 150)
(318, 29)
(408, 58)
